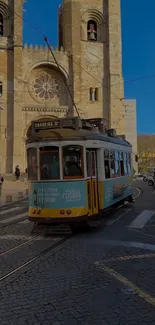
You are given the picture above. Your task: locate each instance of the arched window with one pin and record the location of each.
(91, 94)
(1, 25)
(96, 94)
(91, 31)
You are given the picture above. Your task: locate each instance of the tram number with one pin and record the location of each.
(67, 122)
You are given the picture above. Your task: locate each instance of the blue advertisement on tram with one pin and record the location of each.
(115, 190)
(58, 194)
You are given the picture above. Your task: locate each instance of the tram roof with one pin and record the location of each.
(71, 134)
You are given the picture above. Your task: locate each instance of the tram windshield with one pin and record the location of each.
(49, 163)
(73, 162)
(32, 163)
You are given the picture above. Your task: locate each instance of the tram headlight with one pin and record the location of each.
(62, 212)
(68, 211)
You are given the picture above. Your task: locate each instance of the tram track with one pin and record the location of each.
(64, 238)
(35, 258)
(4, 253)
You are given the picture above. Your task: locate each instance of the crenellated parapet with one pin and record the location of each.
(42, 48)
(33, 54)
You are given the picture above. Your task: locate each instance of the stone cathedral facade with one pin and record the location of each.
(89, 55)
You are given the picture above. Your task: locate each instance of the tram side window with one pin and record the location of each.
(129, 163)
(73, 162)
(122, 163)
(117, 163)
(106, 164)
(49, 163)
(125, 163)
(32, 165)
(112, 164)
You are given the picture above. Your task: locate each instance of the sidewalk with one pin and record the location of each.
(13, 191)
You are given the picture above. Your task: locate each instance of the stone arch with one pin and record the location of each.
(5, 19)
(93, 16)
(48, 64)
(41, 117)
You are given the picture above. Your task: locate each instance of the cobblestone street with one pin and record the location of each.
(102, 277)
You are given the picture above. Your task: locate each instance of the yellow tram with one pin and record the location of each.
(75, 172)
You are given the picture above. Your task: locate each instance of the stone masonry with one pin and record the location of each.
(33, 86)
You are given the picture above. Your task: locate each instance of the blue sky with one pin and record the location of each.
(138, 40)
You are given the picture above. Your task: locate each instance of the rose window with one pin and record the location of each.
(46, 87)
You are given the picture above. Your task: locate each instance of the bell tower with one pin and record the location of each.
(91, 34)
(11, 33)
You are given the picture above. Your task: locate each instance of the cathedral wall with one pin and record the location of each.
(91, 77)
(4, 103)
(37, 63)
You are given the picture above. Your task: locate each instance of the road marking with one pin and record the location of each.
(20, 237)
(25, 221)
(130, 257)
(17, 237)
(142, 294)
(20, 216)
(10, 210)
(139, 192)
(142, 219)
(119, 243)
(112, 221)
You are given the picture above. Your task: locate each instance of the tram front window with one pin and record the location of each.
(32, 164)
(49, 163)
(73, 162)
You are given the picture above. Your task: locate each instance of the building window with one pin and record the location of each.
(1, 25)
(1, 89)
(93, 94)
(91, 31)
(96, 94)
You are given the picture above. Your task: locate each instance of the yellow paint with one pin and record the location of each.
(55, 213)
(92, 208)
(142, 294)
(130, 180)
(131, 257)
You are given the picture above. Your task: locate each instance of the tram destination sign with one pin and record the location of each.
(73, 122)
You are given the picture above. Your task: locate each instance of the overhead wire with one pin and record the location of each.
(45, 38)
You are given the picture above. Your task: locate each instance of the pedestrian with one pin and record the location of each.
(1, 183)
(17, 172)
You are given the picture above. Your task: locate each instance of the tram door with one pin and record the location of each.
(92, 181)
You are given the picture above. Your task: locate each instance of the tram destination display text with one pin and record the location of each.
(56, 123)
